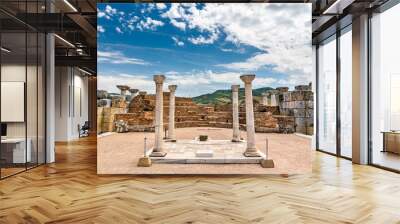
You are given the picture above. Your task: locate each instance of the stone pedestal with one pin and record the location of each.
(144, 162)
(159, 129)
(251, 150)
(235, 113)
(171, 120)
(267, 163)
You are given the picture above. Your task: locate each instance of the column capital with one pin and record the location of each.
(247, 78)
(172, 88)
(133, 91)
(235, 88)
(123, 87)
(159, 79)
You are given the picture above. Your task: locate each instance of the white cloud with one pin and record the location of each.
(238, 50)
(189, 84)
(177, 41)
(100, 14)
(109, 82)
(281, 33)
(147, 7)
(130, 21)
(204, 40)
(100, 29)
(180, 25)
(116, 57)
(161, 6)
(108, 12)
(226, 50)
(172, 73)
(149, 23)
(118, 30)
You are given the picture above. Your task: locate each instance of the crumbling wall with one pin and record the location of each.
(106, 117)
(299, 104)
(140, 116)
(280, 111)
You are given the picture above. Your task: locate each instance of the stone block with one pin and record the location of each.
(309, 113)
(287, 96)
(144, 162)
(282, 89)
(203, 138)
(267, 163)
(297, 96)
(302, 87)
(308, 96)
(299, 112)
(310, 104)
(204, 153)
(299, 104)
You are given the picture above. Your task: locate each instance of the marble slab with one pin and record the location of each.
(206, 152)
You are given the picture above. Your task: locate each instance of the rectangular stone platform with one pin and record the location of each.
(218, 152)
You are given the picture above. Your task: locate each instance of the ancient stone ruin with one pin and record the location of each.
(279, 111)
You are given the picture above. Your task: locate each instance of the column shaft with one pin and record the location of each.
(235, 113)
(264, 100)
(159, 127)
(250, 129)
(171, 119)
(251, 150)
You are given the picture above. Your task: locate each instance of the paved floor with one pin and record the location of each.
(70, 191)
(119, 154)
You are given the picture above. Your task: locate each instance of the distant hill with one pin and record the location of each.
(225, 96)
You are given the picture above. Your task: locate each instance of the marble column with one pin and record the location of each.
(171, 120)
(133, 92)
(264, 100)
(124, 89)
(235, 113)
(251, 150)
(273, 100)
(159, 127)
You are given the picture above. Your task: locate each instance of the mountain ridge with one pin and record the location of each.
(224, 96)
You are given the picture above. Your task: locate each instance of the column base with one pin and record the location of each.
(267, 163)
(144, 162)
(170, 140)
(158, 154)
(252, 154)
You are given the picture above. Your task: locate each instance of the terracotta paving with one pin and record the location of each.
(119, 154)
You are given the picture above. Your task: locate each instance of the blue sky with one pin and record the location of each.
(203, 47)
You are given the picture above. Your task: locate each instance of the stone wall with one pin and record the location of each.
(299, 104)
(140, 115)
(106, 116)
